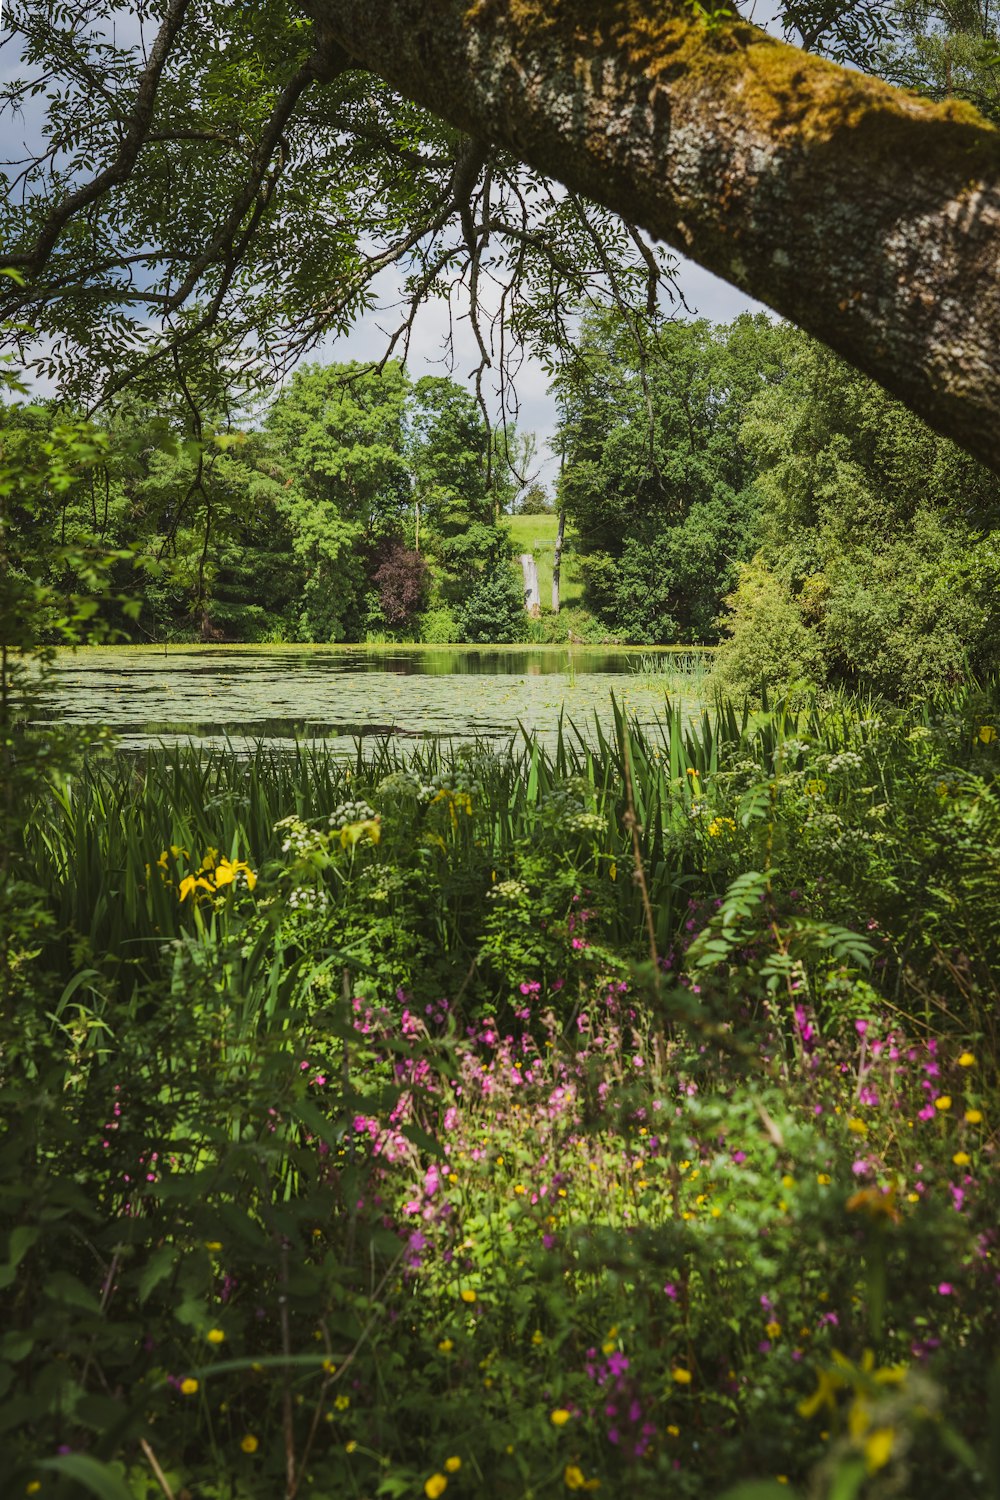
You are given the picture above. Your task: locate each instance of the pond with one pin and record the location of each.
(239, 695)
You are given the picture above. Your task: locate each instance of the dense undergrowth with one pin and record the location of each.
(510, 1124)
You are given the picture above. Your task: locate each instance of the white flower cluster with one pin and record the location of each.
(351, 812)
(508, 890)
(399, 784)
(846, 760)
(308, 898)
(586, 822)
(298, 837)
(458, 781)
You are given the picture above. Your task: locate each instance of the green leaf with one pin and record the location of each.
(848, 1479)
(21, 1240)
(98, 1478)
(158, 1268)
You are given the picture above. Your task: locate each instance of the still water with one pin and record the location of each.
(214, 695)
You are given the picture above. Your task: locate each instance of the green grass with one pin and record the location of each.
(537, 535)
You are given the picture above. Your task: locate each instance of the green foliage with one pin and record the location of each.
(876, 566)
(494, 608)
(353, 1082)
(656, 479)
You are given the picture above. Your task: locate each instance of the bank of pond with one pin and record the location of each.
(610, 1112)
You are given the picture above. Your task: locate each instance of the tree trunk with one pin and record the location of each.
(557, 561)
(865, 214)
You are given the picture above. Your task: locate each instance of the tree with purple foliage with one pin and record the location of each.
(401, 579)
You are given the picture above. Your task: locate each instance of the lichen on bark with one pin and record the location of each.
(866, 214)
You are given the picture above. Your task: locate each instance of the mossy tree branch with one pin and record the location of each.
(868, 216)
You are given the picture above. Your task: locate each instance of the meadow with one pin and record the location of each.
(615, 1117)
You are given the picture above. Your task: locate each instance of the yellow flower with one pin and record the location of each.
(942, 1102)
(681, 1376)
(537, 1337)
(823, 1178)
(435, 1486)
(32, 1487)
(973, 1116)
(961, 1158)
(559, 1417)
(453, 1465)
(249, 1444)
(446, 1346)
(353, 833)
(987, 733)
(857, 1126)
(215, 1336)
(878, 1448)
(329, 1367)
(966, 1060)
(350, 1447)
(773, 1330)
(467, 1294)
(827, 1385)
(213, 1244)
(673, 1431)
(189, 1386)
(342, 1403)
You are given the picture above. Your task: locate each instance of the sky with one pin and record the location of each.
(705, 295)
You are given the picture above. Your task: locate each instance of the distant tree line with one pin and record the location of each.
(742, 484)
(360, 504)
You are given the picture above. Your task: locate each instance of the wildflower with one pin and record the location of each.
(858, 1126)
(574, 1479)
(943, 1102)
(189, 1386)
(215, 1336)
(961, 1158)
(823, 1178)
(342, 1403)
(249, 1444)
(453, 1465)
(213, 1244)
(773, 1331)
(446, 1346)
(329, 1367)
(973, 1117)
(32, 1487)
(435, 1486)
(987, 733)
(467, 1294)
(559, 1417)
(351, 1446)
(681, 1376)
(878, 1448)
(673, 1431)
(966, 1060)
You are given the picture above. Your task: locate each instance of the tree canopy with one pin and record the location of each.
(209, 199)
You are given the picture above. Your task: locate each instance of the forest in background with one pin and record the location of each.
(733, 484)
(447, 1121)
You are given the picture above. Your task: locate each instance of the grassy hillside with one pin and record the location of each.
(537, 535)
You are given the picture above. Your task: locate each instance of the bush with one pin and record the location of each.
(769, 643)
(401, 579)
(438, 627)
(494, 612)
